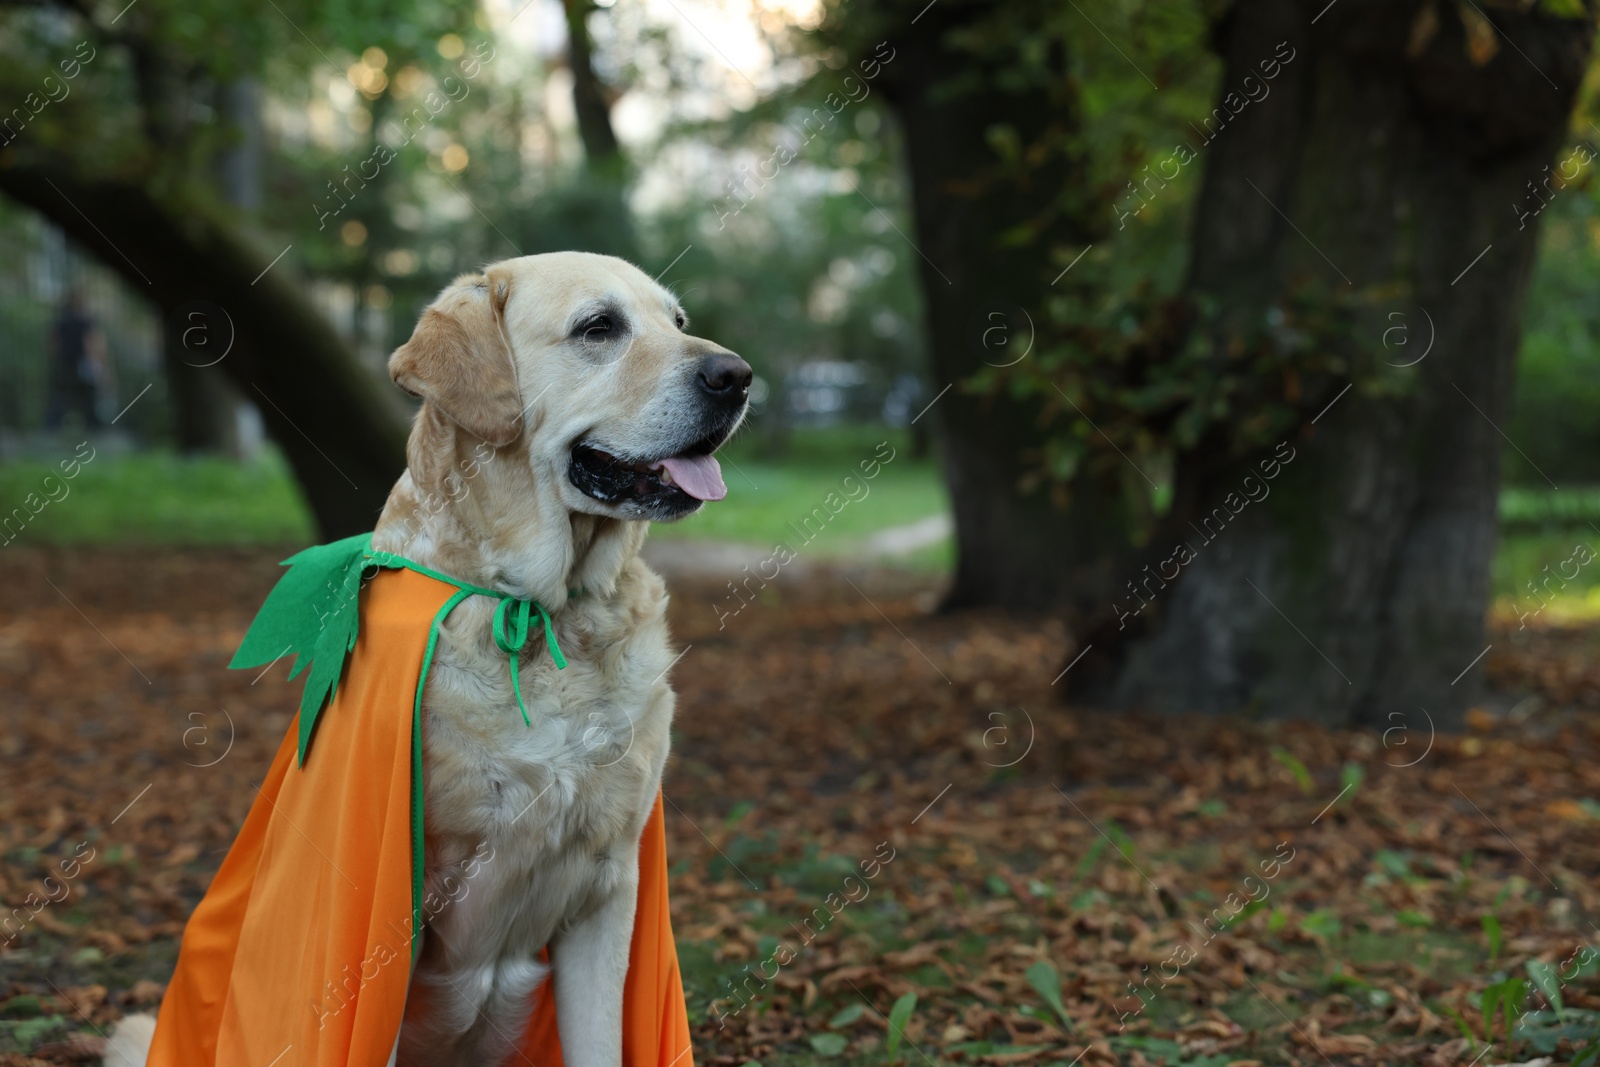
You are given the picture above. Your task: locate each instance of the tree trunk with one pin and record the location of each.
(239, 165)
(204, 406)
(203, 419)
(1016, 547)
(600, 146)
(342, 434)
(1385, 163)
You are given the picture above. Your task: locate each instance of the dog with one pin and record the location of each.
(564, 407)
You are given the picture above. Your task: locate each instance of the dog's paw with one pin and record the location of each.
(128, 1043)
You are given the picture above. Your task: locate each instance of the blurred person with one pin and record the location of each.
(78, 363)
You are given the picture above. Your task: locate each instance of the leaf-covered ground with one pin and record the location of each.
(870, 802)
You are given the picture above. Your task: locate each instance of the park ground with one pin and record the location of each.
(1053, 884)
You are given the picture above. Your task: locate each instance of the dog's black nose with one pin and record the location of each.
(725, 376)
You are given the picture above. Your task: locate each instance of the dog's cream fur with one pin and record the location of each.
(533, 831)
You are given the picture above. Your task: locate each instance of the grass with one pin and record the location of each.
(155, 498)
(160, 498)
(1533, 507)
(769, 501)
(1563, 587)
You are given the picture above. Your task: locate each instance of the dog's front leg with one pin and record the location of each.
(590, 961)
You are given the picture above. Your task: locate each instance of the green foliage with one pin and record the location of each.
(899, 1019)
(1461, 1024)
(828, 1045)
(1244, 913)
(1128, 370)
(288, 45)
(846, 1016)
(1115, 836)
(1545, 1031)
(23, 1006)
(1503, 999)
(1321, 924)
(1340, 980)
(1396, 865)
(1120, 366)
(1126, 366)
(1044, 980)
(1539, 506)
(26, 1034)
(391, 201)
(1491, 931)
(1302, 776)
(1119, 837)
(1547, 983)
(1168, 1051)
(737, 813)
(801, 255)
(1558, 373)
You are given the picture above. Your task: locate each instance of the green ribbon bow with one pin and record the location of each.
(511, 620)
(313, 613)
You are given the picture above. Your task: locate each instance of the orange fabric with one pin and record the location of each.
(300, 952)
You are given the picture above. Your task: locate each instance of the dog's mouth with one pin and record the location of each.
(663, 487)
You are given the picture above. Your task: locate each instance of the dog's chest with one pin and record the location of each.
(535, 820)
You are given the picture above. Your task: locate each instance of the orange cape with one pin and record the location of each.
(300, 953)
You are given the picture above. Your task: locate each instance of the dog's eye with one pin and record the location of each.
(681, 319)
(596, 328)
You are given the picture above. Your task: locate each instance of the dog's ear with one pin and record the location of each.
(458, 359)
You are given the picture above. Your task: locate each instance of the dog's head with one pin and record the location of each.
(585, 364)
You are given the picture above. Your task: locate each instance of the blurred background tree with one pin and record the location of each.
(1399, 135)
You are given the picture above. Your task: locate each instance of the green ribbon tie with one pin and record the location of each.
(511, 621)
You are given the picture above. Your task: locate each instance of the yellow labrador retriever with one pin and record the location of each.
(568, 385)
(568, 390)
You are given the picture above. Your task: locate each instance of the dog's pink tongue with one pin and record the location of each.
(699, 476)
